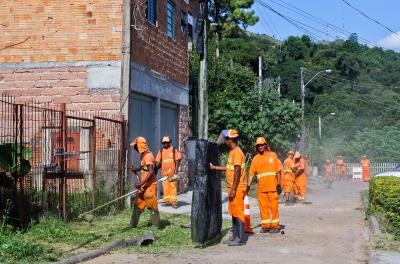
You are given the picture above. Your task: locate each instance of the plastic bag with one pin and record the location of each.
(206, 201)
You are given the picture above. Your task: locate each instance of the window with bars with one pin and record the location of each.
(151, 11)
(170, 19)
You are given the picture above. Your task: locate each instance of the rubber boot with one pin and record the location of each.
(155, 218)
(135, 217)
(226, 242)
(239, 235)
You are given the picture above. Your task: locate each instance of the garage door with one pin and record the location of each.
(169, 122)
(141, 122)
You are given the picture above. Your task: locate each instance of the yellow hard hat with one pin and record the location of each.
(260, 141)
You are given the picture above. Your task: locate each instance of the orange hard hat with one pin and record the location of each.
(141, 144)
(260, 141)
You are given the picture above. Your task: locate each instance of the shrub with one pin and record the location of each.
(384, 201)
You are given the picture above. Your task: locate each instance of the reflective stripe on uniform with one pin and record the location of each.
(232, 167)
(168, 160)
(287, 170)
(265, 174)
(275, 220)
(265, 221)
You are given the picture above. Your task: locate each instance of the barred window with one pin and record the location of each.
(151, 11)
(170, 19)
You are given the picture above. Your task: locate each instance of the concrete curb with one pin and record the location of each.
(377, 256)
(120, 243)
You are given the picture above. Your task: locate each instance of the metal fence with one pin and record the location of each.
(375, 168)
(54, 160)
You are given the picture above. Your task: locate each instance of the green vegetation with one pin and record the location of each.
(384, 202)
(53, 239)
(364, 84)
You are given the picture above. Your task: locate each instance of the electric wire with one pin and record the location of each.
(370, 18)
(318, 20)
(293, 22)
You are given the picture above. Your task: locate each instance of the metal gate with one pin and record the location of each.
(54, 160)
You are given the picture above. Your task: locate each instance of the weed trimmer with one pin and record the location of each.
(87, 216)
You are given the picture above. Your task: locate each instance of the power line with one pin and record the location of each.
(370, 18)
(264, 22)
(317, 20)
(362, 97)
(358, 83)
(293, 22)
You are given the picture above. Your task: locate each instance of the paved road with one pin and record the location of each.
(330, 230)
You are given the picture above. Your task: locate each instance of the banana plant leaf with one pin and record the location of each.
(14, 159)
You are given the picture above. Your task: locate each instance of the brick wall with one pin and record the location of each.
(73, 30)
(154, 49)
(58, 85)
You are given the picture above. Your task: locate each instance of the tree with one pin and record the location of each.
(256, 114)
(230, 15)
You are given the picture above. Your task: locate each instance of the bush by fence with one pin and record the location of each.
(384, 201)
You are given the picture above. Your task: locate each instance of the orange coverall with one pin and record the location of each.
(147, 196)
(328, 170)
(265, 168)
(168, 164)
(340, 168)
(366, 173)
(236, 206)
(301, 180)
(288, 175)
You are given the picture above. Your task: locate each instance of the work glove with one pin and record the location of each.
(279, 189)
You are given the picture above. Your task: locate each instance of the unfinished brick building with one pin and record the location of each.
(117, 56)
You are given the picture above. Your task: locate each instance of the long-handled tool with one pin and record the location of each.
(89, 217)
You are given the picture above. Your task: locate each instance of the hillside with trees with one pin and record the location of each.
(363, 90)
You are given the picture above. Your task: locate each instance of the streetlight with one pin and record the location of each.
(320, 126)
(303, 94)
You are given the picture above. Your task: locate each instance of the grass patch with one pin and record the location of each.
(53, 239)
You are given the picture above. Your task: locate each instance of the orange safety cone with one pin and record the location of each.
(247, 222)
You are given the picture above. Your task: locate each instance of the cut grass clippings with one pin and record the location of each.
(53, 239)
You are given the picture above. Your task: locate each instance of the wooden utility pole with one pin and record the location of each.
(203, 79)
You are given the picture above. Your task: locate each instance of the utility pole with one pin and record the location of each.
(320, 129)
(303, 125)
(279, 85)
(259, 73)
(203, 78)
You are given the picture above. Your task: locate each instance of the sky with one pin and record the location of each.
(333, 12)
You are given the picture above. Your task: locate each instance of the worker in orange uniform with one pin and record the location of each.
(168, 158)
(146, 196)
(288, 175)
(266, 168)
(328, 166)
(236, 183)
(340, 168)
(365, 165)
(300, 187)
